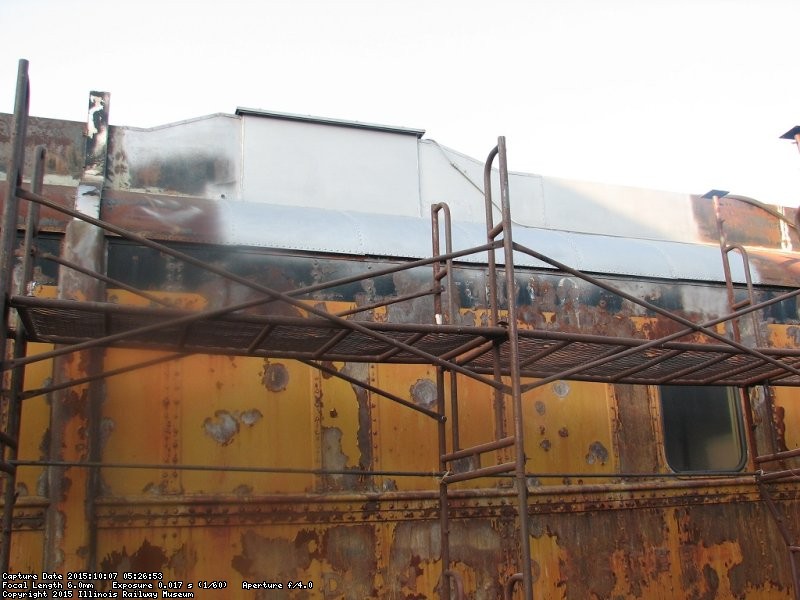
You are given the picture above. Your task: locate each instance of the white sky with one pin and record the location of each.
(681, 95)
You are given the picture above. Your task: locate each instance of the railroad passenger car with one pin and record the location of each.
(246, 355)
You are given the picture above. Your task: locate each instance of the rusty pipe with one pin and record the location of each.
(479, 449)
(508, 588)
(456, 577)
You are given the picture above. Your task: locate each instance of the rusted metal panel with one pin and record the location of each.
(688, 552)
(546, 301)
(247, 406)
(560, 441)
(393, 430)
(28, 541)
(786, 413)
(633, 549)
(290, 474)
(744, 224)
(64, 145)
(66, 532)
(75, 411)
(64, 141)
(221, 412)
(636, 430)
(34, 442)
(346, 429)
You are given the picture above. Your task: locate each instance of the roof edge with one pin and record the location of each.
(257, 112)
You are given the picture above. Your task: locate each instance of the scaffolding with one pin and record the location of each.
(508, 359)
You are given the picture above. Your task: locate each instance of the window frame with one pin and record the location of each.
(737, 430)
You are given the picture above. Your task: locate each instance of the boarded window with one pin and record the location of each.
(702, 428)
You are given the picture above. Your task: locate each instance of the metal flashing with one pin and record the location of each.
(257, 112)
(391, 236)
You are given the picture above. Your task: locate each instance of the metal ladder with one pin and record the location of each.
(764, 478)
(447, 460)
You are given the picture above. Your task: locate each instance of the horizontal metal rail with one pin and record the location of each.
(479, 449)
(229, 468)
(693, 480)
(783, 475)
(479, 473)
(777, 456)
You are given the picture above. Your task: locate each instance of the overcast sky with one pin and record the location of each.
(681, 95)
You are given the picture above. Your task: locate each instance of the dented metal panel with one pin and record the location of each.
(557, 443)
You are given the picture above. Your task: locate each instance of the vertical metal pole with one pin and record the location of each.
(14, 180)
(452, 307)
(456, 437)
(8, 236)
(20, 349)
(444, 508)
(490, 237)
(492, 299)
(515, 374)
(794, 554)
(726, 265)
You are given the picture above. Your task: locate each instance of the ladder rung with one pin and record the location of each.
(778, 475)
(479, 449)
(740, 304)
(477, 473)
(475, 353)
(495, 230)
(778, 456)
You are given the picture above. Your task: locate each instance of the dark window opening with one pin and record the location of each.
(702, 428)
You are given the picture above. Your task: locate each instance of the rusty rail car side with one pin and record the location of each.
(249, 420)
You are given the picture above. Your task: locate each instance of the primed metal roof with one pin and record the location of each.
(363, 234)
